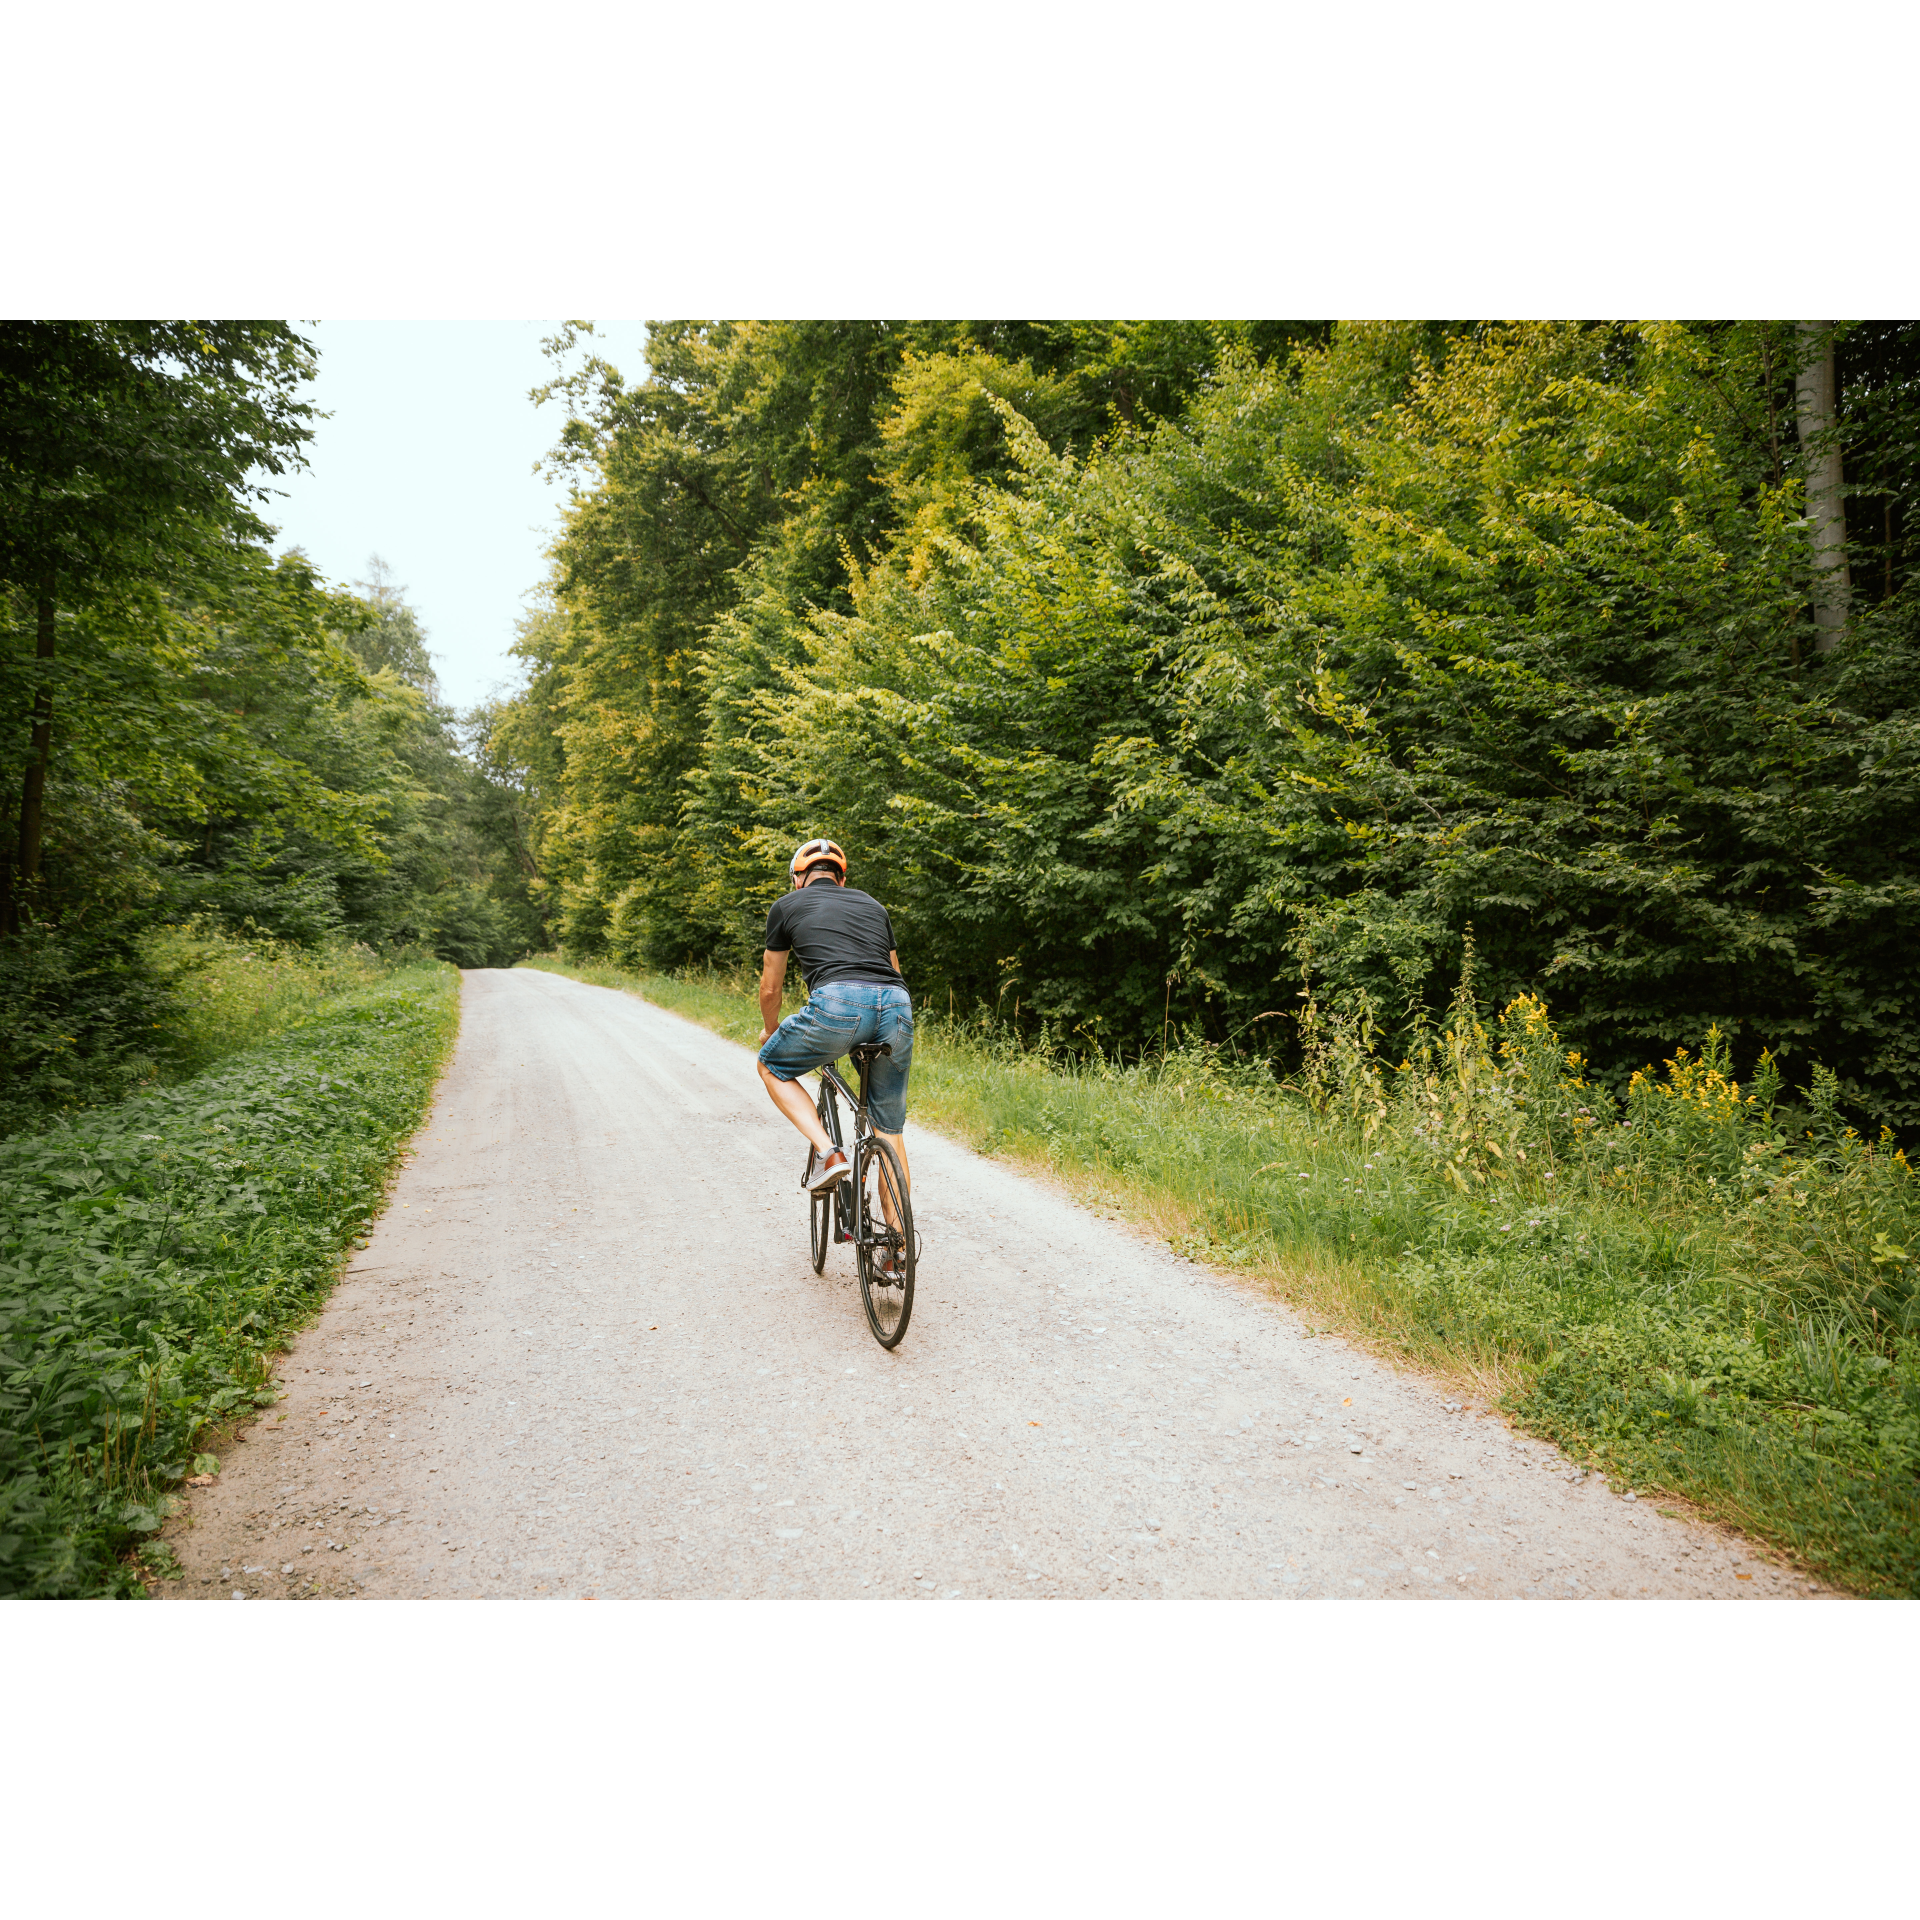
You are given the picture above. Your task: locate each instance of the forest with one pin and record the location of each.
(1156, 674)
(1426, 809)
(211, 756)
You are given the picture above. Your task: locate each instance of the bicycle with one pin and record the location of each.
(871, 1207)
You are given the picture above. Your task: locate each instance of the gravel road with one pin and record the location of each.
(584, 1356)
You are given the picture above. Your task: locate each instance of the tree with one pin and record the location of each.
(393, 637)
(745, 435)
(742, 488)
(1128, 654)
(1817, 417)
(1494, 627)
(132, 455)
(1877, 363)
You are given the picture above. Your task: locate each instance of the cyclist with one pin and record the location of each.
(855, 995)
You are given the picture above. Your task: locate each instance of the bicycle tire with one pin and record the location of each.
(821, 1226)
(825, 1208)
(888, 1302)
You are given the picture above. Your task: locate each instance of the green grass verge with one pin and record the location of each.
(1696, 1292)
(155, 1254)
(233, 992)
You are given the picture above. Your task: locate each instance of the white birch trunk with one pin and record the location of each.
(1817, 416)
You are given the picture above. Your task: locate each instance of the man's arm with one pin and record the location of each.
(773, 976)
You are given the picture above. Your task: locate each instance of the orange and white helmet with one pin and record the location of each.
(812, 854)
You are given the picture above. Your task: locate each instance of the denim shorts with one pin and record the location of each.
(843, 1014)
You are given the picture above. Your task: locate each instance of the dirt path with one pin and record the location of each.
(584, 1355)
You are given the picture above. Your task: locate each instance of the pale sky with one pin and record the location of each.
(428, 462)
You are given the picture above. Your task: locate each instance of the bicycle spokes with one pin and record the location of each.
(872, 1210)
(884, 1240)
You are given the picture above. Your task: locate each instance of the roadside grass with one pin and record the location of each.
(89, 1017)
(1697, 1289)
(233, 991)
(154, 1255)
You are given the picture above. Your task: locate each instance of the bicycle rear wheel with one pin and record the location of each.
(884, 1241)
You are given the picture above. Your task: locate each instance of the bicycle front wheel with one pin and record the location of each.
(884, 1239)
(824, 1206)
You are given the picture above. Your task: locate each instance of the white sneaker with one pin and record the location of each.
(830, 1172)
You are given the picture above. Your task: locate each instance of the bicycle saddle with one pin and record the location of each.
(863, 1055)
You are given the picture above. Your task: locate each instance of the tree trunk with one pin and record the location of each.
(39, 750)
(1816, 414)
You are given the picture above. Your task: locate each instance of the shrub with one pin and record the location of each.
(83, 1018)
(232, 990)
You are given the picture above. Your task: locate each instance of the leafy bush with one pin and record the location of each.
(627, 928)
(471, 928)
(153, 1255)
(83, 1018)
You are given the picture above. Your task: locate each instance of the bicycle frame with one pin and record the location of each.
(862, 1127)
(852, 1209)
(846, 1093)
(841, 1226)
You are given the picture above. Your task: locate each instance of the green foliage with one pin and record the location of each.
(154, 1254)
(741, 490)
(83, 1019)
(273, 763)
(132, 453)
(1402, 629)
(744, 434)
(378, 825)
(233, 991)
(131, 457)
(391, 636)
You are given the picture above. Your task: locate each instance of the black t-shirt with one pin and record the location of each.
(839, 934)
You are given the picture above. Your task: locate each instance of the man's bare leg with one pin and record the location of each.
(791, 1098)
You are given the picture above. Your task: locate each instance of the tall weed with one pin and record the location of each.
(234, 990)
